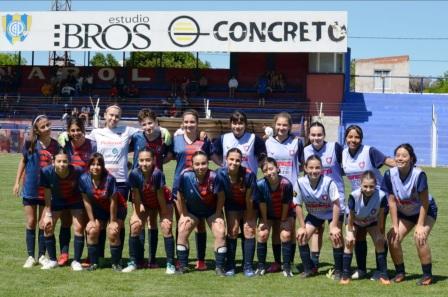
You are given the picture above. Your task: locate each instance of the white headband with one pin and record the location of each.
(38, 118)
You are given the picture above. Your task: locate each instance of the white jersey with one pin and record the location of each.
(113, 144)
(319, 201)
(286, 154)
(355, 166)
(366, 214)
(330, 166)
(405, 192)
(246, 145)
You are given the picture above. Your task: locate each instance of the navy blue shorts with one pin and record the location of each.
(59, 206)
(373, 224)
(102, 215)
(201, 216)
(432, 212)
(33, 201)
(316, 222)
(123, 189)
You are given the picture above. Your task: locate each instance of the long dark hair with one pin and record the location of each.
(356, 128)
(410, 151)
(100, 159)
(76, 120)
(315, 124)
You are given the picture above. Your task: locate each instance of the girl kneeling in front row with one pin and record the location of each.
(105, 207)
(366, 206)
(320, 195)
(275, 196)
(197, 199)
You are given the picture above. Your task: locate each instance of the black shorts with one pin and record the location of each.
(432, 212)
(33, 201)
(316, 222)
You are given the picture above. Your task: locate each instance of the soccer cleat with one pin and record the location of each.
(426, 280)
(306, 274)
(287, 272)
(260, 270)
(92, 267)
(249, 272)
(337, 275)
(201, 265)
(182, 270)
(63, 259)
(50, 264)
(30, 262)
(43, 260)
(344, 281)
(359, 274)
(76, 266)
(230, 272)
(220, 272)
(375, 275)
(170, 269)
(275, 267)
(384, 280)
(117, 267)
(399, 277)
(131, 267)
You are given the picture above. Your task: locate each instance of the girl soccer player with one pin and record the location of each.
(79, 149)
(61, 183)
(320, 196)
(287, 150)
(236, 185)
(158, 140)
(37, 152)
(366, 208)
(252, 146)
(411, 206)
(275, 197)
(330, 154)
(113, 143)
(196, 199)
(357, 158)
(184, 146)
(105, 207)
(147, 183)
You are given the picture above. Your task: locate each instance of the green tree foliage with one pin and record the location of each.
(101, 60)
(167, 60)
(11, 59)
(439, 86)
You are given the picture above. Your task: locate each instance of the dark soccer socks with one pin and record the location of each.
(153, 241)
(304, 251)
(361, 254)
(64, 239)
(220, 257)
(286, 253)
(182, 255)
(169, 249)
(346, 265)
(101, 243)
(277, 250)
(249, 252)
(231, 252)
(92, 250)
(261, 252)
(41, 243)
(30, 237)
(201, 244)
(50, 244)
(78, 247)
(337, 256)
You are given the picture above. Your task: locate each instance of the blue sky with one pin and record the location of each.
(405, 19)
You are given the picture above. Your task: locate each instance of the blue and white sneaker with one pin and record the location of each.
(131, 267)
(170, 269)
(249, 272)
(230, 272)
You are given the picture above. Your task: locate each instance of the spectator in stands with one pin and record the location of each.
(133, 91)
(262, 89)
(203, 86)
(79, 84)
(47, 89)
(67, 90)
(114, 92)
(174, 87)
(184, 86)
(233, 85)
(166, 105)
(179, 104)
(88, 83)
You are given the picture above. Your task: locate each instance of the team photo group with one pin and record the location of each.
(86, 182)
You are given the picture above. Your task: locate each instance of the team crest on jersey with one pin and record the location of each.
(362, 164)
(325, 197)
(328, 160)
(373, 211)
(292, 152)
(246, 147)
(294, 194)
(16, 27)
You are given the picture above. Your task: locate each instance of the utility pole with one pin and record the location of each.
(60, 58)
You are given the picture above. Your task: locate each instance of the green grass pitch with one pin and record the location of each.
(17, 281)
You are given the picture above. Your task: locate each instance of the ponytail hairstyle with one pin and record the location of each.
(286, 116)
(368, 175)
(100, 159)
(242, 170)
(318, 124)
(313, 157)
(410, 151)
(199, 153)
(34, 134)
